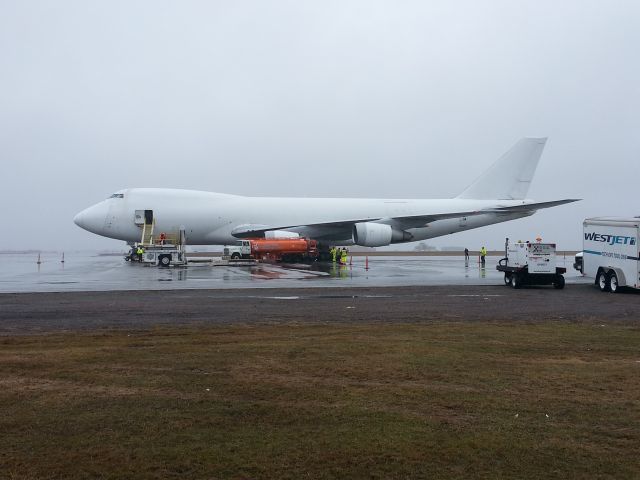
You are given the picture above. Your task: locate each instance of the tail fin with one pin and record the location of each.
(510, 176)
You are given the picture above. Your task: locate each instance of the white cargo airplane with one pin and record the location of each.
(208, 218)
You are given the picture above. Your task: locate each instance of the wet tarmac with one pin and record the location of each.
(91, 272)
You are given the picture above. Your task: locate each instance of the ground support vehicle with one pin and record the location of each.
(610, 252)
(286, 250)
(162, 250)
(160, 255)
(528, 263)
(164, 255)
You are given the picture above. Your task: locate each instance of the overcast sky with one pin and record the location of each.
(408, 99)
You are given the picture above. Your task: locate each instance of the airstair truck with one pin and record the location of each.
(529, 263)
(610, 252)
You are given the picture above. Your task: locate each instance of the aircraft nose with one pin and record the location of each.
(79, 219)
(91, 219)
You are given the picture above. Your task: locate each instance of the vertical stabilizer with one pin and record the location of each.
(510, 176)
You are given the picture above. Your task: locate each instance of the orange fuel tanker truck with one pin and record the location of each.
(275, 249)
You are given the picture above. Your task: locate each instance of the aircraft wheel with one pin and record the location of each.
(559, 282)
(603, 281)
(613, 283)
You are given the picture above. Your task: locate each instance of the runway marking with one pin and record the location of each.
(282, 298)
(473, 295)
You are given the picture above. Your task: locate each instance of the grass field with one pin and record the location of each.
(473, 400)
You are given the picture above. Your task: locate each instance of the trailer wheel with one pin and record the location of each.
(613, 283)
(515, 280)
(558, 283)
(164, 260)
(602, 281)
(507, 278)
(235, 256)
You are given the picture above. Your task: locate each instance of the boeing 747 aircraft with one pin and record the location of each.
(208, 218)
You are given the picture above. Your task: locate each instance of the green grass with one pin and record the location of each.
(317, 401)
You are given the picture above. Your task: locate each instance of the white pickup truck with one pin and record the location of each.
(610, 252)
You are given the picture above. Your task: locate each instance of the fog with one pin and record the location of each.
(387, 99)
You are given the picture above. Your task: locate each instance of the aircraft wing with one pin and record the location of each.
(419, 221)
(343, 228)
(532, 207)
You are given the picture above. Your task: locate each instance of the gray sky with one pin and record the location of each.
(335, 98)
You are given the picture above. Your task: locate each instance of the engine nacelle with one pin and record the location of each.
(271, 234)
(367, 234)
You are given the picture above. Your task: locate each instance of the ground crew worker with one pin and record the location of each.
(343, 256)
(334, 253)
(466, 255)
(140, 252)
(163, 237)
(483, 254)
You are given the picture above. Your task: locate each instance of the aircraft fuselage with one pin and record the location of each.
(212, 218)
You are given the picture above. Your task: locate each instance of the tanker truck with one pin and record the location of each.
(276, 249)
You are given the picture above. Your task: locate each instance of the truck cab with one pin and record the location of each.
(242, 249)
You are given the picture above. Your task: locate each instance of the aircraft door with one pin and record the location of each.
(143, 216)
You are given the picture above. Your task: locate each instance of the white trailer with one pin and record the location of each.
(610, 252)
(527, 263)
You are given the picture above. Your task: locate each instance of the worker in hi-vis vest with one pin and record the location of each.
(343, 256)
(483, 254)
(140, 252)
(334, 253)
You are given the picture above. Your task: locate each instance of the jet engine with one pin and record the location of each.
(367, 234)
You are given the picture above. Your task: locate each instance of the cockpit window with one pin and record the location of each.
(117, 195)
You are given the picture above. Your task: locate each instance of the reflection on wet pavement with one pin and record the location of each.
(82, 271)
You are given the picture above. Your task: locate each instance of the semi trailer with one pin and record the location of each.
(610, 252)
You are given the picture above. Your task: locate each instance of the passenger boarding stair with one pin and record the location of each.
(147, 233)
